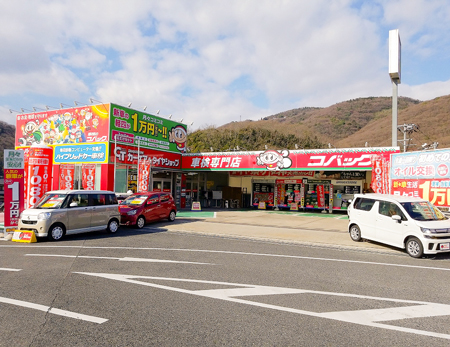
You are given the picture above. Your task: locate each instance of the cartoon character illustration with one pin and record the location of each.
(274, 160)
(95, 122)
(178, 135)
(31, 133)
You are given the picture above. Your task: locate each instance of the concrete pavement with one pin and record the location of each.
(326, 230)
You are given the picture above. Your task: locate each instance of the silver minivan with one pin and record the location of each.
(405, 222)
(64, 212)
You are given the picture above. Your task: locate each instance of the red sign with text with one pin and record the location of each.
(39, 175)
(88, 176)
(124, 154)
(144, 175)
(66, 176)
(275, 161)
(437, 191)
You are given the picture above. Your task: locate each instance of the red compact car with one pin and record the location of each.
(141, 208)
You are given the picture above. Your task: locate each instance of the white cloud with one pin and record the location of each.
(215, 61)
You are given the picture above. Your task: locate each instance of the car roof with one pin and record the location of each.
(69, 191)
(389, 197)
(149, 193)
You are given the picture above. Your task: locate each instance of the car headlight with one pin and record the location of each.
(132, 212)
(44, 216)
(434, 231)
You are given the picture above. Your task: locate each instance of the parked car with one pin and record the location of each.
(64, 212)
(405, 222)
(141, 208)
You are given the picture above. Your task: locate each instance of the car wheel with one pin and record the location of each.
(414, 247)
(140, 222)
(172, 216)
(56, 232)
(113, 226)
(355, 233)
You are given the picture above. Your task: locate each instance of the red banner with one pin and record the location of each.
(144, 175)
(380, 175)
(66, 176)
(276, 161)
(320, 196)
(39, 175)
(13, 188)
(437, 191)
(88, 176)
(73, 125)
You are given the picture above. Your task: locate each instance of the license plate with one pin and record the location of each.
(445, 246)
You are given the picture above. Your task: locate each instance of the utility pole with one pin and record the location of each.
(407, 129)
(395, 48)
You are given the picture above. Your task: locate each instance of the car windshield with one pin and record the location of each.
(423, 211)
(51, 201)
(135, 200)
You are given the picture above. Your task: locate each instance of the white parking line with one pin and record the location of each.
(9, 269)
(416, 309)
(119, 259)
(240, 253)
(51, 310)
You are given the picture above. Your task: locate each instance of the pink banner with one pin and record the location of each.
(66, 176)
(88, 176)
(144, 174)
(39, 174)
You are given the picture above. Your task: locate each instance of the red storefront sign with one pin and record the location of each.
(144, 174)
(66, 176)
(88, 176)
(273, 173)
(39, 175)
(275, 161)
(13, 188)
(123, 154)
(437, 191)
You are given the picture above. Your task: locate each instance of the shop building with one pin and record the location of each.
(101, 146)
(292, 180)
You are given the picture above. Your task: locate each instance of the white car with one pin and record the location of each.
(409, 223)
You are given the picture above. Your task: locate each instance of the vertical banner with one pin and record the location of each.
(380, 175)
(13, 189)
(88, 176)
(144, 175)
(66, 176)
(320, 196)
(39, 174)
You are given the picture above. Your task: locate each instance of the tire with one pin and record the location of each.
(414, 247)
(172, 216)
(113, 226)
(355, 233)
(140, 222)
(56, 232)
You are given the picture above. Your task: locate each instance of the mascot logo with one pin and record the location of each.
(274, 160)
(178, 135)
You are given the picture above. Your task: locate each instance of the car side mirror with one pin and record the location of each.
(73, 204)
(397, 218)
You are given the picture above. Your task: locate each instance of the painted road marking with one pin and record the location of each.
(119, 259)
(9, 269)
(52, 310)
(240, 253)
(416, 309)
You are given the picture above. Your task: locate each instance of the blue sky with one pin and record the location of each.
(213, 62)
